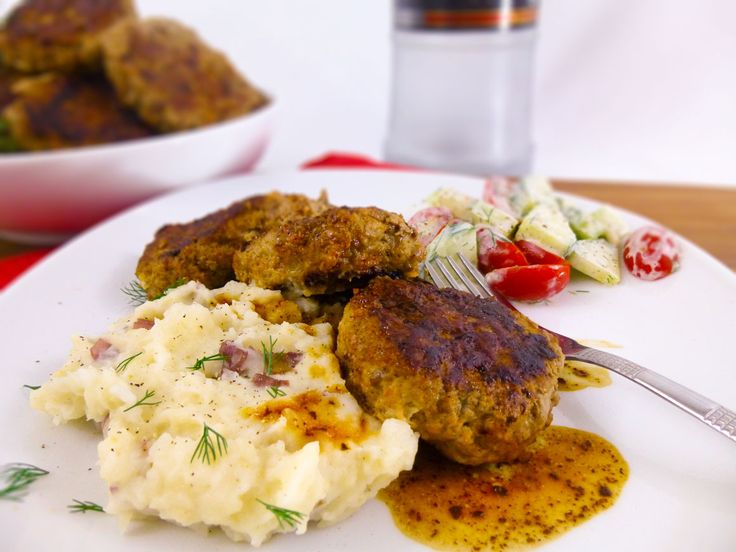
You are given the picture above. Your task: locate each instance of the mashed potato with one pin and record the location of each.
(279, 452)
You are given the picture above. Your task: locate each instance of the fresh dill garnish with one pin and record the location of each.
(268, 359)
(276, 392)
(135, 292)
(268, 355)
(17, 478)
(32, 387)
(283, 515)
(178, 283)
(120, 368)
(199, 363)
(83, 507)
(576, 291)
(143, 402)
(137, 295)
(206, 450)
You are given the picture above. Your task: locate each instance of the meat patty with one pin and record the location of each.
(58, 35)
(7, 82)
(333, 251)
(55, 111)
(171, 78)
(203, 249)
(8, 144)
(474, 378)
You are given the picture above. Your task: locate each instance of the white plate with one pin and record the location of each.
(682, 491)
(46, 196)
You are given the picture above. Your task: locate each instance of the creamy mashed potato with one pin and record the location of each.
(310, 449)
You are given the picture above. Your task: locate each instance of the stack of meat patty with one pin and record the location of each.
(83, 72)
(475, 379)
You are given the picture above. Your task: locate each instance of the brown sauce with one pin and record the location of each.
(315, 416)
(571, 476)
(577, 375)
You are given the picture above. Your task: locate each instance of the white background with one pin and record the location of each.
(640, 90)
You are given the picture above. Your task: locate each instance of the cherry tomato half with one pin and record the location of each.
(497, 190)
(529, 283)
(429, 222)
(497, 252)
(538, 255)
(651, 253)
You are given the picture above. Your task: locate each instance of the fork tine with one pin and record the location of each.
(478, 277)
(447, 274)
(475, 274)
(435, 275)
(474, 287)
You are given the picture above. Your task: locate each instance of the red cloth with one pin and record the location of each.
(342, 160)
(12, 267)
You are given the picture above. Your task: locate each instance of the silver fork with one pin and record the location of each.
(459, 273)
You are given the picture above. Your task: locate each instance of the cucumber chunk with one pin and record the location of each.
(500, 222)
(614, 227)
(529, 192)
(459, 204)
(546, 226)
(457, 237)
(597, 259)
(588, 227)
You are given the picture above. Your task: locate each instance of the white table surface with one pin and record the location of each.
(640, 90)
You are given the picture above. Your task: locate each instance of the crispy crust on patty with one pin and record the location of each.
(55, 111)
(203, 249)
(59, 35)
(171, 78)
(474, 378)
(334, 251)
(7, 82)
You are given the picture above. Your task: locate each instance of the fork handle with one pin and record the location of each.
(707, 411)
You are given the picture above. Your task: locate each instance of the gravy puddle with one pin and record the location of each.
(571, 476)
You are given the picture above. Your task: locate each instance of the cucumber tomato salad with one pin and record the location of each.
(526, 239)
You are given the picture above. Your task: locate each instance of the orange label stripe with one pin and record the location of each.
(480, 18)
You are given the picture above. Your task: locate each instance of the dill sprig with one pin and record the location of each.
(32, 387)
(275, 392)
(268, 355)
(83, 507)
(120, 368)
(17, 478)
(268, 360)
(283, 515)
(135, 292)
(206, 450)
(143, 402)
(178, 283)
(199, 363)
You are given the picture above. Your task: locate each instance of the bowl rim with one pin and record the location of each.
(29, 157)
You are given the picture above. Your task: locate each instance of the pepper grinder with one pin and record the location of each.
(462, 84)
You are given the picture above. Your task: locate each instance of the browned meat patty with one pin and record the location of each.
(58, 35)
(171, 78)
(8, 144)
(334, 251)
(55, 111)
(474, 378)
(7, 81)
(203, 249)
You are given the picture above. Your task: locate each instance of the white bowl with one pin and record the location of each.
(47, 196)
